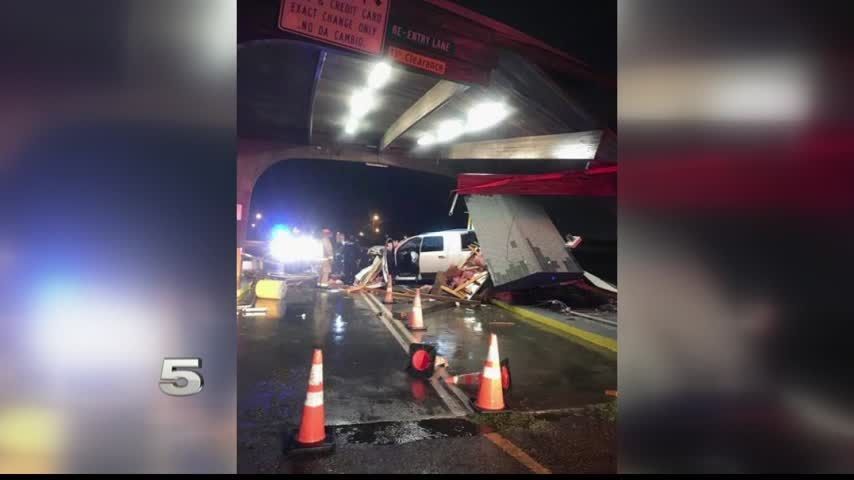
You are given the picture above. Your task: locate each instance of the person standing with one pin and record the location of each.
(350, 259)
(389, 264)
(328, 255)
(338, 260)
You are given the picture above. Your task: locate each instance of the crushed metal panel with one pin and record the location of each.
(519, 242)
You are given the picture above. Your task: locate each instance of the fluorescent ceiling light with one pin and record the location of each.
(449, 130)
(379, 75)
(351, 126)
(426, 139)
(485, 115)
(361, 102)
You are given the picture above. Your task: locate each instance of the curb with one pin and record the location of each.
(532, 317)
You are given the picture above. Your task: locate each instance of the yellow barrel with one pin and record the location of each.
(270, 289)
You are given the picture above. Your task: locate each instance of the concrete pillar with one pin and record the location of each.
(248, 171)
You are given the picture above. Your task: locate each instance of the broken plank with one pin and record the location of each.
(445, 298)
(453, 292)
(463, 301)
(475, 278)
(469, 257)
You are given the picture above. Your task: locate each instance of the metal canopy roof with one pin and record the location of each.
(296, 92)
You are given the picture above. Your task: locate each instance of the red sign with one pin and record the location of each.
(418, 61)
(466, 49)
(354, 24)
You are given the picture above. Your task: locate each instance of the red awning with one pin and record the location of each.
(597, 181)
(810, 175)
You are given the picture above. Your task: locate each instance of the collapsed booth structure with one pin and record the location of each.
(520, 244)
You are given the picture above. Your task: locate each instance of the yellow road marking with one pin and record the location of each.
(598, 340)
(517, 453)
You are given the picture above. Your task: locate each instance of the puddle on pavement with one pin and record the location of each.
(396, 433)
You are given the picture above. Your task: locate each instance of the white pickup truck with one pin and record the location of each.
(423, 256)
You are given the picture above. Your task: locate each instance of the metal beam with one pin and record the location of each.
(430, 101)
(561, 146)
(522, 82)
(318, 70)
(255, 156)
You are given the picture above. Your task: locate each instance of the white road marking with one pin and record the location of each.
(461, 395)
(384, 315)
(463, 398)
(403, 344)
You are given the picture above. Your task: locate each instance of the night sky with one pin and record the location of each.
(343, 195)
(586, 30)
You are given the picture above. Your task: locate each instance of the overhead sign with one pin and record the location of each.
(353, 24)
(441, 42)
(418, 61)
(420, 39)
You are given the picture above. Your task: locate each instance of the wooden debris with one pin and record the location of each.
(453, 292)
(445, 298)
(473, 279)
(368, 274)
(465, 279)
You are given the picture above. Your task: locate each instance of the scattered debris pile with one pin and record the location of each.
(555, 306)
(459, 283)
(465, 280)
(566, 296)
(372, 276)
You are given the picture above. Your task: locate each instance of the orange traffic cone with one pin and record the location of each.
(313, 435)
(389, 296)
(416, 319)
(490, 396)
(474, 378)
(465, 379)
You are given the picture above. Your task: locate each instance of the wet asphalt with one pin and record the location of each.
(548, 372)
(382, 417)
(363, 367)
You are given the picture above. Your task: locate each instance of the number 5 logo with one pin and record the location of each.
(178, 380)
